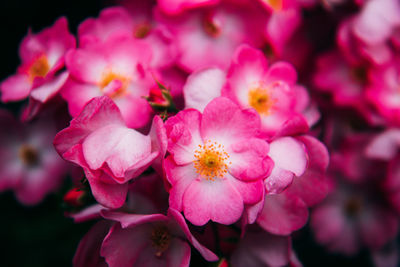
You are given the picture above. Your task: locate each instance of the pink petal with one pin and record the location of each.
(88, 252)
(282, 71)
(14, 88)
(107, 194)
(183, 132)
(131, 220)
(251, 191)
(50, 88)
(250, 159)
(89, 213)
(224, 122)
(289, 154)
(123, 247)
(205, 252)
(178, 253)
(121, 148)
(86, 65)
(180, 177)
(203, 86)
(278, 180)
(216, 200)
(97, 113)
(282, 214)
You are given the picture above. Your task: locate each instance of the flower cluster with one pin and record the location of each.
(193, 122)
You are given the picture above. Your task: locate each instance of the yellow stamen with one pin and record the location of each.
(160, 239)
(260, 99)
(211, 160)
(39, 68)
(110, 76)
(275, 4)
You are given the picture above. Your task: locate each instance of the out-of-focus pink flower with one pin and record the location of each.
(150, 240)
(29, 165)
(207, 37)
(271, 91)
(383, 92)
(203, 86)
(285, 18)
(110, 153)
(217, 164)
(137, 24)
(173, 7)
(283, 213)
(258, 248)
(346, 82)
(116, 68)
(377, 20)
(385, 145)
(42, 57)
(88, 252)
(355, 214)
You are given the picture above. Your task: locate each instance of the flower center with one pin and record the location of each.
(39, 68)
(274, 4)
(160, 239)
(211, 26)
(260, 99)
(142, 30)
(114, 85)
(353, 206)
(28, 155)
(211, 160)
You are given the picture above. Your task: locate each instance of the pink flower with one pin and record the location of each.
(116, 68)
(287, 211)
(173, 7)
(207, 37)
(138, 24)
(271, 91)
(260, 249)
(217, 164)
(42, 57)
(285, 18)
(29, 165)
(345, 81)
(110, 153)
(150, 240)
(383, 91)
(355, 213)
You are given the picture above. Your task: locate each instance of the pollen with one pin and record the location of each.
(110, 76)
(39, 68)
(260, 99)
(275, 4)
(211, 160)
(160, 239)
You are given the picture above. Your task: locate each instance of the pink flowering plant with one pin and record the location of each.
(209, 133)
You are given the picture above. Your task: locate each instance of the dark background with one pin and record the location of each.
(41, 235)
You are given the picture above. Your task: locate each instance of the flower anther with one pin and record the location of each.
(211, 160)
(39, 68)
(261, 100)
(160, 239)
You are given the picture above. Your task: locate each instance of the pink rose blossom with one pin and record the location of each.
(271, 91)
(173, 7)
(207, 37)
(29, 165)
(122, 155)
(150, 240)
(139, 25)
(217, 164)
(354, 215)
(261, 249)
(39, 76)
(116, 68)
